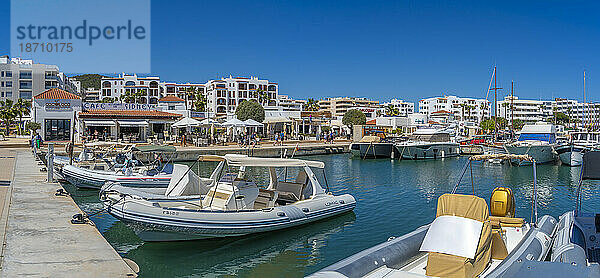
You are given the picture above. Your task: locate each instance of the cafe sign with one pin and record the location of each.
(118, 106)
(58, 105)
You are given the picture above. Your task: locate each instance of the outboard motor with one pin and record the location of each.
(502, 202)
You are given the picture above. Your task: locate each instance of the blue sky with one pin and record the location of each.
(377, 49)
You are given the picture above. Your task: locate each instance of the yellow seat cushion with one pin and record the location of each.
(499, 221)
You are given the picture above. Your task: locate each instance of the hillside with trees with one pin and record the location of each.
(89, 80)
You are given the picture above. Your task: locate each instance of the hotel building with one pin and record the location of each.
(225, 94)
(338, 106)
(404, 108)
(463, 109)
(116, 88)
(524, 109)
(23, 79)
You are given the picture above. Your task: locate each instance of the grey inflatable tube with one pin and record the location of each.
(393, 253)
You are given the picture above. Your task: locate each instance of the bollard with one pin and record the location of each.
(50, 159)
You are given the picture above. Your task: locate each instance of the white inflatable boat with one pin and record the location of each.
(464, 240)
(191, 208)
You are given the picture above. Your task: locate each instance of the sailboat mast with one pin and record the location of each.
(495, 107)
(584, 102)
(512, 112)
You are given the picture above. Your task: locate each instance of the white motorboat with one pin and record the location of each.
(127, 172)
(465, 240)
(428, 143)
(537, 140)
(233, 206)
(571, 154)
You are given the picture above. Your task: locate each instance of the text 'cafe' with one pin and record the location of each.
(63, 115)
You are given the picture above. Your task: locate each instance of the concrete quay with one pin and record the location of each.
(39, 239)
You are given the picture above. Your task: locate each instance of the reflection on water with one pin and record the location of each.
(394, 197)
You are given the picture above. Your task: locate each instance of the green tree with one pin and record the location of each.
(488, 124)
(22, 107)
(560, 118)
(128, 97)
(354, 117)
(200, 99)
(108, 100)
(250, 110)
(517, 124)
(312, 105)
(7, 113)
(33, 126)
(263, 97)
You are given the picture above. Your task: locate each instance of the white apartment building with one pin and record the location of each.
(21, 78)
(225, 94)
(404, 108)
(586, 114)
(524, 109)
(183, 91)
(289, 104)
(91, 95)
(464, 109)
(338, 106)
(116, 87)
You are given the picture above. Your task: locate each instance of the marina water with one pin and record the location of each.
(393, 198)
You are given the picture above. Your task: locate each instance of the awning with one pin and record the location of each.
(99, 123)
(271, 120)
(133, 123)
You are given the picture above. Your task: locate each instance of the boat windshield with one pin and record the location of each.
(546, 137)
(437, 137)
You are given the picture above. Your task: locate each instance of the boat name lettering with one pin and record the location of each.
(170, 212)
(336, 202)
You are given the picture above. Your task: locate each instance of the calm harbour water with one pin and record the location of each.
(393, 198)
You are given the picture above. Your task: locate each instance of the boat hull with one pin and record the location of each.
(428, 150)
(571, 155)
(85, 178)
(152, 223)
(374, 150)
(541, 153)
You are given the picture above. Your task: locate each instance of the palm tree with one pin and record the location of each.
(128, 97)
(391, 111)
(200, 100)
(7, 113)
(312, 105)
(21, 108)
(263, 97)
(189, 95)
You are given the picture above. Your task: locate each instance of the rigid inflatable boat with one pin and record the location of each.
(231, 205)
(466, 239)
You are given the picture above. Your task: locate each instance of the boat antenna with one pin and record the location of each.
(512, 108)
(578, 199)
(584, 103)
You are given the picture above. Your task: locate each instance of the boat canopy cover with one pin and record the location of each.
(591, 165)
(370, 139)
(244, 160)
(547, 137)
(154, 148)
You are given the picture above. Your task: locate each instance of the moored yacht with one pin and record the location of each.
(537, 140)
(572, 153)
(374, 147)
(428, 143)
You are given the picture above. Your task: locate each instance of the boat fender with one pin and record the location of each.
(281, 213)
(305, 209)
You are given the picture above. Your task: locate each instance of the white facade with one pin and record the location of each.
(287, 103)
(116, 87)
(464, 109)
(21, 78)
(56, 114)
(404, 108)
(225, 94)
(524, 109)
